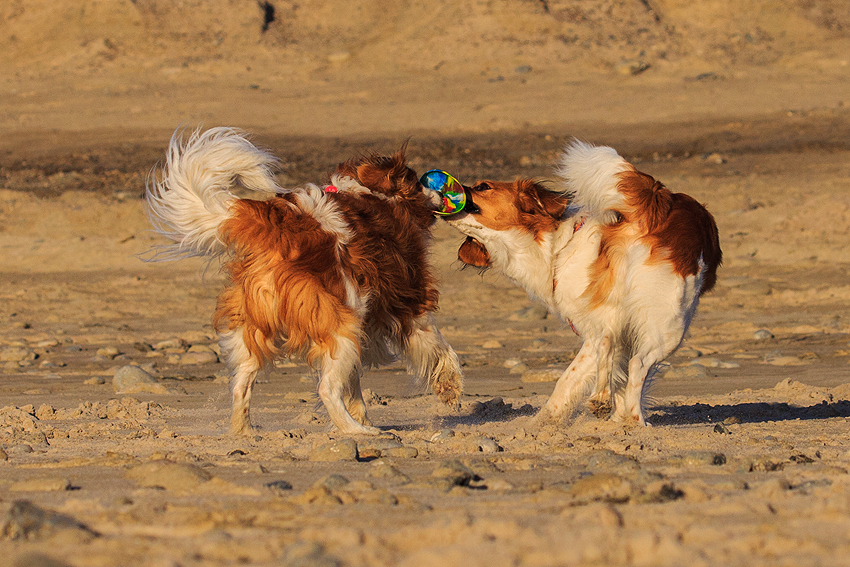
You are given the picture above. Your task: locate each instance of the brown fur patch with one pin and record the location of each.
(677, 227)
(287, 275)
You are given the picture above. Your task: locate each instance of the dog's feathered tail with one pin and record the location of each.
(189, 198)
(590, 176)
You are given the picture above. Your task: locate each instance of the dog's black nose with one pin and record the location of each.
(470, 206)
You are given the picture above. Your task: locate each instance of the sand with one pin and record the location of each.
(742, 105)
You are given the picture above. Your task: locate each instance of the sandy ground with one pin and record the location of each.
(745, 106)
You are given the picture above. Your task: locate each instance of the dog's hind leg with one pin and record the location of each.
(335, 384)
(243, 366)
(573, 383)
(354, 402)
(431, 359)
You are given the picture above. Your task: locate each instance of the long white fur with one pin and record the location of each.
(192, 196)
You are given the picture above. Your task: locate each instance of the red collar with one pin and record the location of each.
(331, 189)
(576, 228)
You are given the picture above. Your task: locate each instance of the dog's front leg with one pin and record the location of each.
(573, 383)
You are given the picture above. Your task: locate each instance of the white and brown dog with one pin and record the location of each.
(614, 253)
(339, 274)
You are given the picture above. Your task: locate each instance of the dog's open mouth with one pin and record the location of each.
(473, 253)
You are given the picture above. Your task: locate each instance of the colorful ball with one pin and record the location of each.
(449, 188)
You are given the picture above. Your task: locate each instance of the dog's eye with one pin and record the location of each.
(481, 187)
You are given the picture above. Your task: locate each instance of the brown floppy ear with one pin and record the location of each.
(473, 253)
(538, 199)
(387, 174)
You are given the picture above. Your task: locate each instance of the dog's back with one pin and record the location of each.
(632, 206)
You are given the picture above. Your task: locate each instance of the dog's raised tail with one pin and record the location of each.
(590, 176)
(189, 197)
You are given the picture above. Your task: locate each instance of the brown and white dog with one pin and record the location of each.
(338, 275)
(613, 252)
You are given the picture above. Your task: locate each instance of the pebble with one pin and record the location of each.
(401, 452)
(602, 486)
(383, 469)
(631, 67)
(536, 376)
(762, 335)
(107, 352)
(187, 358)
(41, 485)
(26, 521)
(132, 380)
(485, 445)
(278, 486)
(687, 371)
(455, 472)
(535, 312)
(16, 354)
(491, 344)
(520, 368)
(170, 344)
(169, 475)
(511, 362)
(442, 435)
(339, 56)
(341, 450)
(711, 362)
(699, 458)
(606, 459)
(332, 482)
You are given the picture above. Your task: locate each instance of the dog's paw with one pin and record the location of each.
(448, 393)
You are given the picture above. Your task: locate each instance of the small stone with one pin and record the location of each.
(16, 354)
(169, 475)
(196, 358)
(341, 450)
(133, 380)
(339, 56)
(95, 381)
(536, 376)
(762, 335)
(332, 482)
(602, 486)
(279, 486)
(711, 362)
(715, 158)
(442, 435)
(19, 449)
(535, 312)
(41, 485)
(177, 344)
(401, 452)
(720, 428)
(455, 472)
(631, 67)
(498, 485)
(26, 521)
(491, 344)
(511, 362)
(520, 368)
(108, 352)
(485, 445)
(522, 69)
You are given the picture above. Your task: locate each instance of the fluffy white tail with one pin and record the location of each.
(189, 197)
(590, 174)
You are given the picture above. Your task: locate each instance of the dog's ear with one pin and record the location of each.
(536, 199)
(473, 253)
(388, 174)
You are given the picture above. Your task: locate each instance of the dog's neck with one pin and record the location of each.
(531, 262)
